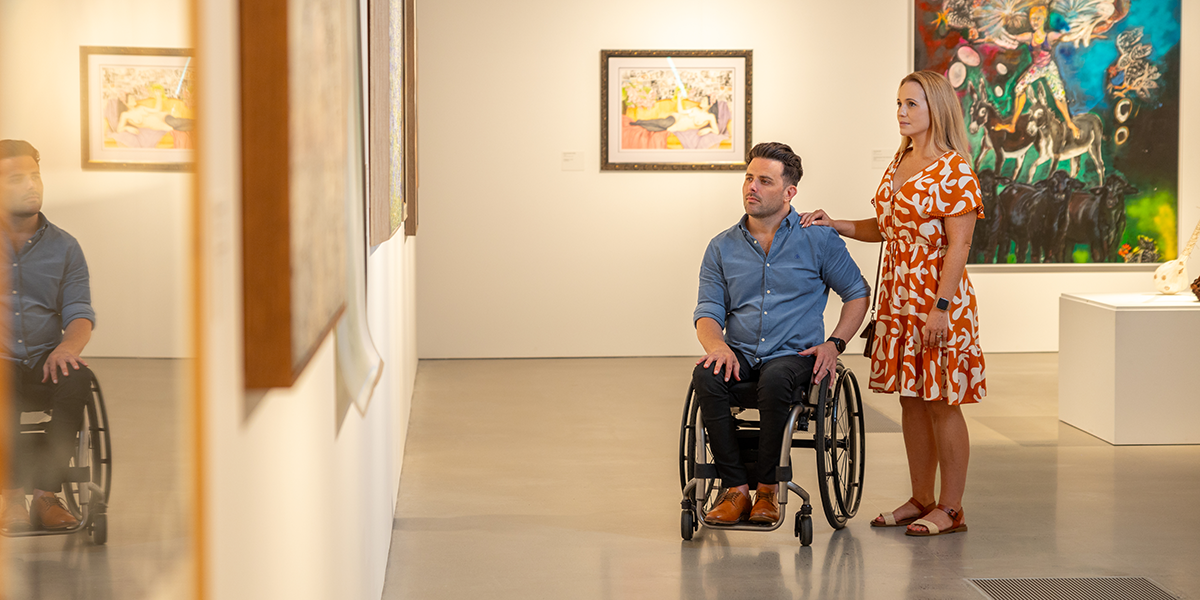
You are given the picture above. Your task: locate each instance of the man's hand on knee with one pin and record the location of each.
(59, 360)
(722, 358)
(826, 361)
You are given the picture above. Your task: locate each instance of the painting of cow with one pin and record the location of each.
(1097, 218)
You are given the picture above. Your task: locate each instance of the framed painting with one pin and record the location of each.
(301, 165)
(393, 100)
(1073, 120)
(385, 139)
(675, 109)
(136, 108)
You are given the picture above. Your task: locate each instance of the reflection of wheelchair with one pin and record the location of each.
(838, 439)
(88, 479)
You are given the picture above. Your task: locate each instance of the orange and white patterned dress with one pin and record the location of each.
(910, 219)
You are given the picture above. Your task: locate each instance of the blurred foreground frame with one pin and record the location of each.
(296, 108)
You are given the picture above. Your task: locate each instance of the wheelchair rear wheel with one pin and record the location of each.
(840, 446)
(693, 448)
(94, 452)
(687, 436)
(849, 457)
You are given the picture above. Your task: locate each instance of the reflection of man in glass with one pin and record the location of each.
(51, 320)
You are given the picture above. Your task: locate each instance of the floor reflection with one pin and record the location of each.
(843, 575)
(148, 544)
(732, 573)
(715, 569)
(572, 467)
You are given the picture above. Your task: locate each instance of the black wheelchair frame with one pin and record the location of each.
(88, 479)
(839, 440)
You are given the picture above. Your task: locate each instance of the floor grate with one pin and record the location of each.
(1079, 588)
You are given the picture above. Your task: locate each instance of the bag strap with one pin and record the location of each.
(875, 290)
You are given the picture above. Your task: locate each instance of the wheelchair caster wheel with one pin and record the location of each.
(804, 529)
(687, 524)
(99, 529)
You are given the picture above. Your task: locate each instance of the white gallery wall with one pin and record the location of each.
(298, 502)
(134, 226)
(520, 258)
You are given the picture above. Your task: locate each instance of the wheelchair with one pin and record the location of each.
(836, 414)
(88, 478)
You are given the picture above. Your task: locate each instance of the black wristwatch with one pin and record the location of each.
(943, 304)
(838, 343)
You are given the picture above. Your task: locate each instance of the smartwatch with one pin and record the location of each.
(943, 304)
(840, 344)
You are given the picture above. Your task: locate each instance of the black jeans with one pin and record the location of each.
(777, 381)
(39, 460)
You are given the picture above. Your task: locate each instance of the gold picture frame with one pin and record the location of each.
(136, 108)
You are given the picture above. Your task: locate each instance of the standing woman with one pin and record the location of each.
(926, 334)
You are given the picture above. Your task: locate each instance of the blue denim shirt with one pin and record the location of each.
(48, 289)
(773, 306)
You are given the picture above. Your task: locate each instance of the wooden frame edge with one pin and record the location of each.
(266, 234)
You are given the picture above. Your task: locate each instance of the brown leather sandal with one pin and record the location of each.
(956, 523)
(889, 518)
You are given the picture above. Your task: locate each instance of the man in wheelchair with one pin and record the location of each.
(764, 284)
(51, 322)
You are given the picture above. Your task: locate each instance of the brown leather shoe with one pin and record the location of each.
(766, 507)
(15, 517)
(733, 507)
(52, 513)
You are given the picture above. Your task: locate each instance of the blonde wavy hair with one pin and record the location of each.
(946, 128)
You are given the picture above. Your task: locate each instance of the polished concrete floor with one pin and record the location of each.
(559, 479)
(148, 545)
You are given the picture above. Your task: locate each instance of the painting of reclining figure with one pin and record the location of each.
(658, 113)
(136, 108)
(674, 110)
(1072, 110)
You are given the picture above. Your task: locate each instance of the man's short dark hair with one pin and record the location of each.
(782, 153)
(15, 148)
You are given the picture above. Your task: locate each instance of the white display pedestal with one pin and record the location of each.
(1129, 367)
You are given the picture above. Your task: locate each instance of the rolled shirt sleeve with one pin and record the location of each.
(839, 271)
(76, 292)
(713, 301)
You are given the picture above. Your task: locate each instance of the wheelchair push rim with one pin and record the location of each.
(95, 455)
(693, 448)
(840, 448)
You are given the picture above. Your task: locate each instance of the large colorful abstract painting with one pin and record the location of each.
(1072, 109)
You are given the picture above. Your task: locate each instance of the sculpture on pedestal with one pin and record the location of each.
(1171, 277)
